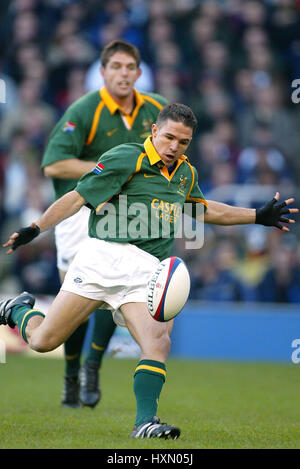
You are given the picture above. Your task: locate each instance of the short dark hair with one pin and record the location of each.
(177, 112)
(119, 46)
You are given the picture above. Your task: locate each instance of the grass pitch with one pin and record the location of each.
(216, 405)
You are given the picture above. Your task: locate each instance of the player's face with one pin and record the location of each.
(120, 74)
(171, 140)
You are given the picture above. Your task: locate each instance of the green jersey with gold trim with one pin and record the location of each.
(94, 124)
(134, 199)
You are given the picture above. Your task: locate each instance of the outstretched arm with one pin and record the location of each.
(270, 214)
(218, 213)
(63, 208)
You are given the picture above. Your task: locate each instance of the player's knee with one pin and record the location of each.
(166, 343)
(41, 343)
(160, 345)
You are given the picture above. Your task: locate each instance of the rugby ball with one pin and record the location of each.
(168, 289)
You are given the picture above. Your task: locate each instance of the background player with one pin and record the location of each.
(92, 125)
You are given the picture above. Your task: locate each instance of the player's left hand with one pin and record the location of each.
(271, 214)
(22, 236)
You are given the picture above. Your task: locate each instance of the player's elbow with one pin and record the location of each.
(50, 171)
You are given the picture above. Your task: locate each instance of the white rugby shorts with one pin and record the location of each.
(114, 273)
(69, 234)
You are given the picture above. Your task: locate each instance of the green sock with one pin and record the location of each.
(149, 378)
(104, 328)
(20, 316)
(73, 346)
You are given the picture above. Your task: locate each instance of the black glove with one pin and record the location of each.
(25, 236)
(271, 214)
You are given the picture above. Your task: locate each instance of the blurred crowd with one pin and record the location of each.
(232, 61)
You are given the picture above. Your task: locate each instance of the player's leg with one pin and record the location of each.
(69, 234)
(154, 340)
(46, 333)
(103, 329)
(72, 353)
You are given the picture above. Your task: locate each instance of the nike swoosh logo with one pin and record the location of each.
(150, 175)
(111, 132)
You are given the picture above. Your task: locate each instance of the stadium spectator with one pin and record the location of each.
(216, 279)
(253, 262)
(243, 89)
(281, 283)
(268, 108)
(32, 115)
(262, 157)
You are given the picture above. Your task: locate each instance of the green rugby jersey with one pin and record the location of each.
(134, 199)
(94, 124)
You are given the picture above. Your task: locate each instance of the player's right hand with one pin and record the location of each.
(272, 213)
(22, 236)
